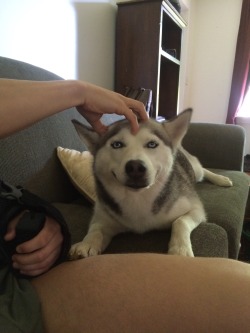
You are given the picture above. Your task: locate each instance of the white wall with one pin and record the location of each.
(95, 42)
(72, 38)
(42, 33)
(213, 33)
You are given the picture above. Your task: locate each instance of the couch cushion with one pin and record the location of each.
(226, 205)
(78, 166)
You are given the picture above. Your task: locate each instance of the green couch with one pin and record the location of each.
(29, 158)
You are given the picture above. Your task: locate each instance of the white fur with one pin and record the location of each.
(185, 214)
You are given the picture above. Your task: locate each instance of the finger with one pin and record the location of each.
(10, 234)
(42, 239)
(38, 268)
(138, 108)
(32, 245)
(11, 229)
(133, 121)
(39, 256)
(134, 111)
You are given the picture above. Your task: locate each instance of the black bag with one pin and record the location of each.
(14, 200)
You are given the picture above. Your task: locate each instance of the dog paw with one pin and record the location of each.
(225, 181)
(83, 250)
(181, 251)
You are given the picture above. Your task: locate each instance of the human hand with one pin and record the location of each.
(98, 101)
(37, 255)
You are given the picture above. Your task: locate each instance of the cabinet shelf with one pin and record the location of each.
(148, 51)
(172, 12)
(170, 57)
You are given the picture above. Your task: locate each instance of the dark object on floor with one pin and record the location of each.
(247, 163)
(244, 254)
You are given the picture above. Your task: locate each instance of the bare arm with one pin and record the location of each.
(26, 102)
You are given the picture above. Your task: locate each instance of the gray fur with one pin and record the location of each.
(144, 182)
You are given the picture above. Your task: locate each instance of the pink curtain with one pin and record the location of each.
(241, 64)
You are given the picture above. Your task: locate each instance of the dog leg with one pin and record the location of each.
(202, 173)
(217, 179)
(91, 245)
(97, 239)
(180, 242)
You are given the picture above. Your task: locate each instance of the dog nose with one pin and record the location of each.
(135, 169)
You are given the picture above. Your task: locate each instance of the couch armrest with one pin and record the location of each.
(217, 146)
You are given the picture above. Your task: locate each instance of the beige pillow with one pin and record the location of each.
(79, 168)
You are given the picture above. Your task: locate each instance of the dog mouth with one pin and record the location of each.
(133, 184)
(136, 185)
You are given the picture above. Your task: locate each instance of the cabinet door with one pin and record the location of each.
(169, 69)
(137, 45)
(148, 47)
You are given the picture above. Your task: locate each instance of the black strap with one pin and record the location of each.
(8, 191)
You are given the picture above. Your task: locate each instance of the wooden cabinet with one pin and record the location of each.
(148, 51)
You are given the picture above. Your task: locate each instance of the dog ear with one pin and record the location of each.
(177, 127)
(88, 136)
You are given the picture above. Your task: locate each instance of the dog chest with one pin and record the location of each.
(137, 215)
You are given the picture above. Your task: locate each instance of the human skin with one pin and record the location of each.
(146, 293)
(26, 102)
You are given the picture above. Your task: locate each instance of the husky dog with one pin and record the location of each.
(144, 181)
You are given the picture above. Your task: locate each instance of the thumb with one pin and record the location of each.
(11, 229)
(10, 234)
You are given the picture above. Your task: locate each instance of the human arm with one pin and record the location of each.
(26, 102)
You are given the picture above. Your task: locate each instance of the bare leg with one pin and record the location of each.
(146, 293)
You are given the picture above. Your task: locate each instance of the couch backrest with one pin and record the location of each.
(29, 157)
(218, 146)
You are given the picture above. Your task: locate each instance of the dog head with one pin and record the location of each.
(135, 161)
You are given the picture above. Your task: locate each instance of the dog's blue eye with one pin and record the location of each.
(117, 144)
(152, 144)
